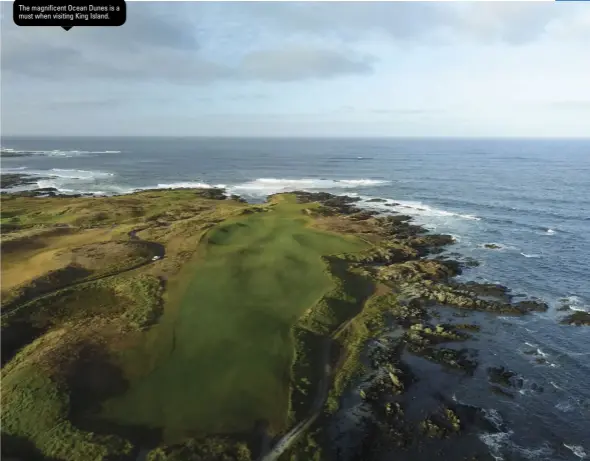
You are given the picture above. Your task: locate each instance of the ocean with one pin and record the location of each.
(531, 198)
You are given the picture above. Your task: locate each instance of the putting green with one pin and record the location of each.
(228, 349)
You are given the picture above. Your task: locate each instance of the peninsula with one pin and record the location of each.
(186, 324)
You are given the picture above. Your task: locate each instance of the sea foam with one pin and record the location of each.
(267, 186)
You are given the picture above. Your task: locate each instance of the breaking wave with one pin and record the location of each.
(266, 186)
(577, 450)
(189, 185)
(55, 152)
(575, 303)
(499, 443)
(412, 208)
(495, 442)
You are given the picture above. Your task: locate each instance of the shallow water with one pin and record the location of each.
(530, 197)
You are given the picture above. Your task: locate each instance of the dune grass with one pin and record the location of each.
(36, 406)
(226, 359)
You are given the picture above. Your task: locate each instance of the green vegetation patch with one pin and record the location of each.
(204, 449)
(35, 412)
(230, 345)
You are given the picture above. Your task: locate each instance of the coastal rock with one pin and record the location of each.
(10, 180)
(492, 246)
(42, 192)
(578, 318)
(462, 359)
(467, 326)
(410, 313)
(503, 377)
(363, 215)
(430, 243)
(426, 334)
(237, 198)
(389, 382)
(376, 200)
(398, 226)
(11, 153)
(417, 271)
(438, 291)
(213, 193)
(331, 204)
(388, 253)
(531, 306)
(491, 290)
(440, 424)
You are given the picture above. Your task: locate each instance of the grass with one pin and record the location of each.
(35, 411)
(43, 236)
(226, 361)
(146, 206)
(51, 243)
(204, 449)
(231, 338)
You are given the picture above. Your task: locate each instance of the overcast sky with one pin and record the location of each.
(304, 69)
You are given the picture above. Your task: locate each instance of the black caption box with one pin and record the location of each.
(68, 14)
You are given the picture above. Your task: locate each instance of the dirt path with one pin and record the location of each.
(322, 394)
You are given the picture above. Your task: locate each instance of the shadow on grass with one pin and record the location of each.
(92, 379)
(16, 336)
(20, 448)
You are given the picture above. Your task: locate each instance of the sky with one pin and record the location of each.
(349, 69)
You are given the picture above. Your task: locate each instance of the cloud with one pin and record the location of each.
(576, 106)
(419, 66)
(153, 46)
(407, 111)
(512, 23)
(298, 63)
(273, 65)
(183, 43)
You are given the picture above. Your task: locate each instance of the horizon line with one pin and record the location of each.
(524, 137)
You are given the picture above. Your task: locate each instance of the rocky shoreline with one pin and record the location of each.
(420, 282)
(10, 180)
(415, 278)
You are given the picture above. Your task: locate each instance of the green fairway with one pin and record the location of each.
(221, 358)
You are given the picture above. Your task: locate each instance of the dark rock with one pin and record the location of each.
(502, 376)
(42, 192)
(376, 200)
(531, 305)
(333, 204)
(492, 246)
(363, 215)
(395, 220)
(537, 388)
(410, 313)
(237, 198)
(470, 262)
(424, 334)
(467, 326)
(10, 153)
(578, 318)
(213, 193)
(10, 180)
(461, 359)
(486, 289)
